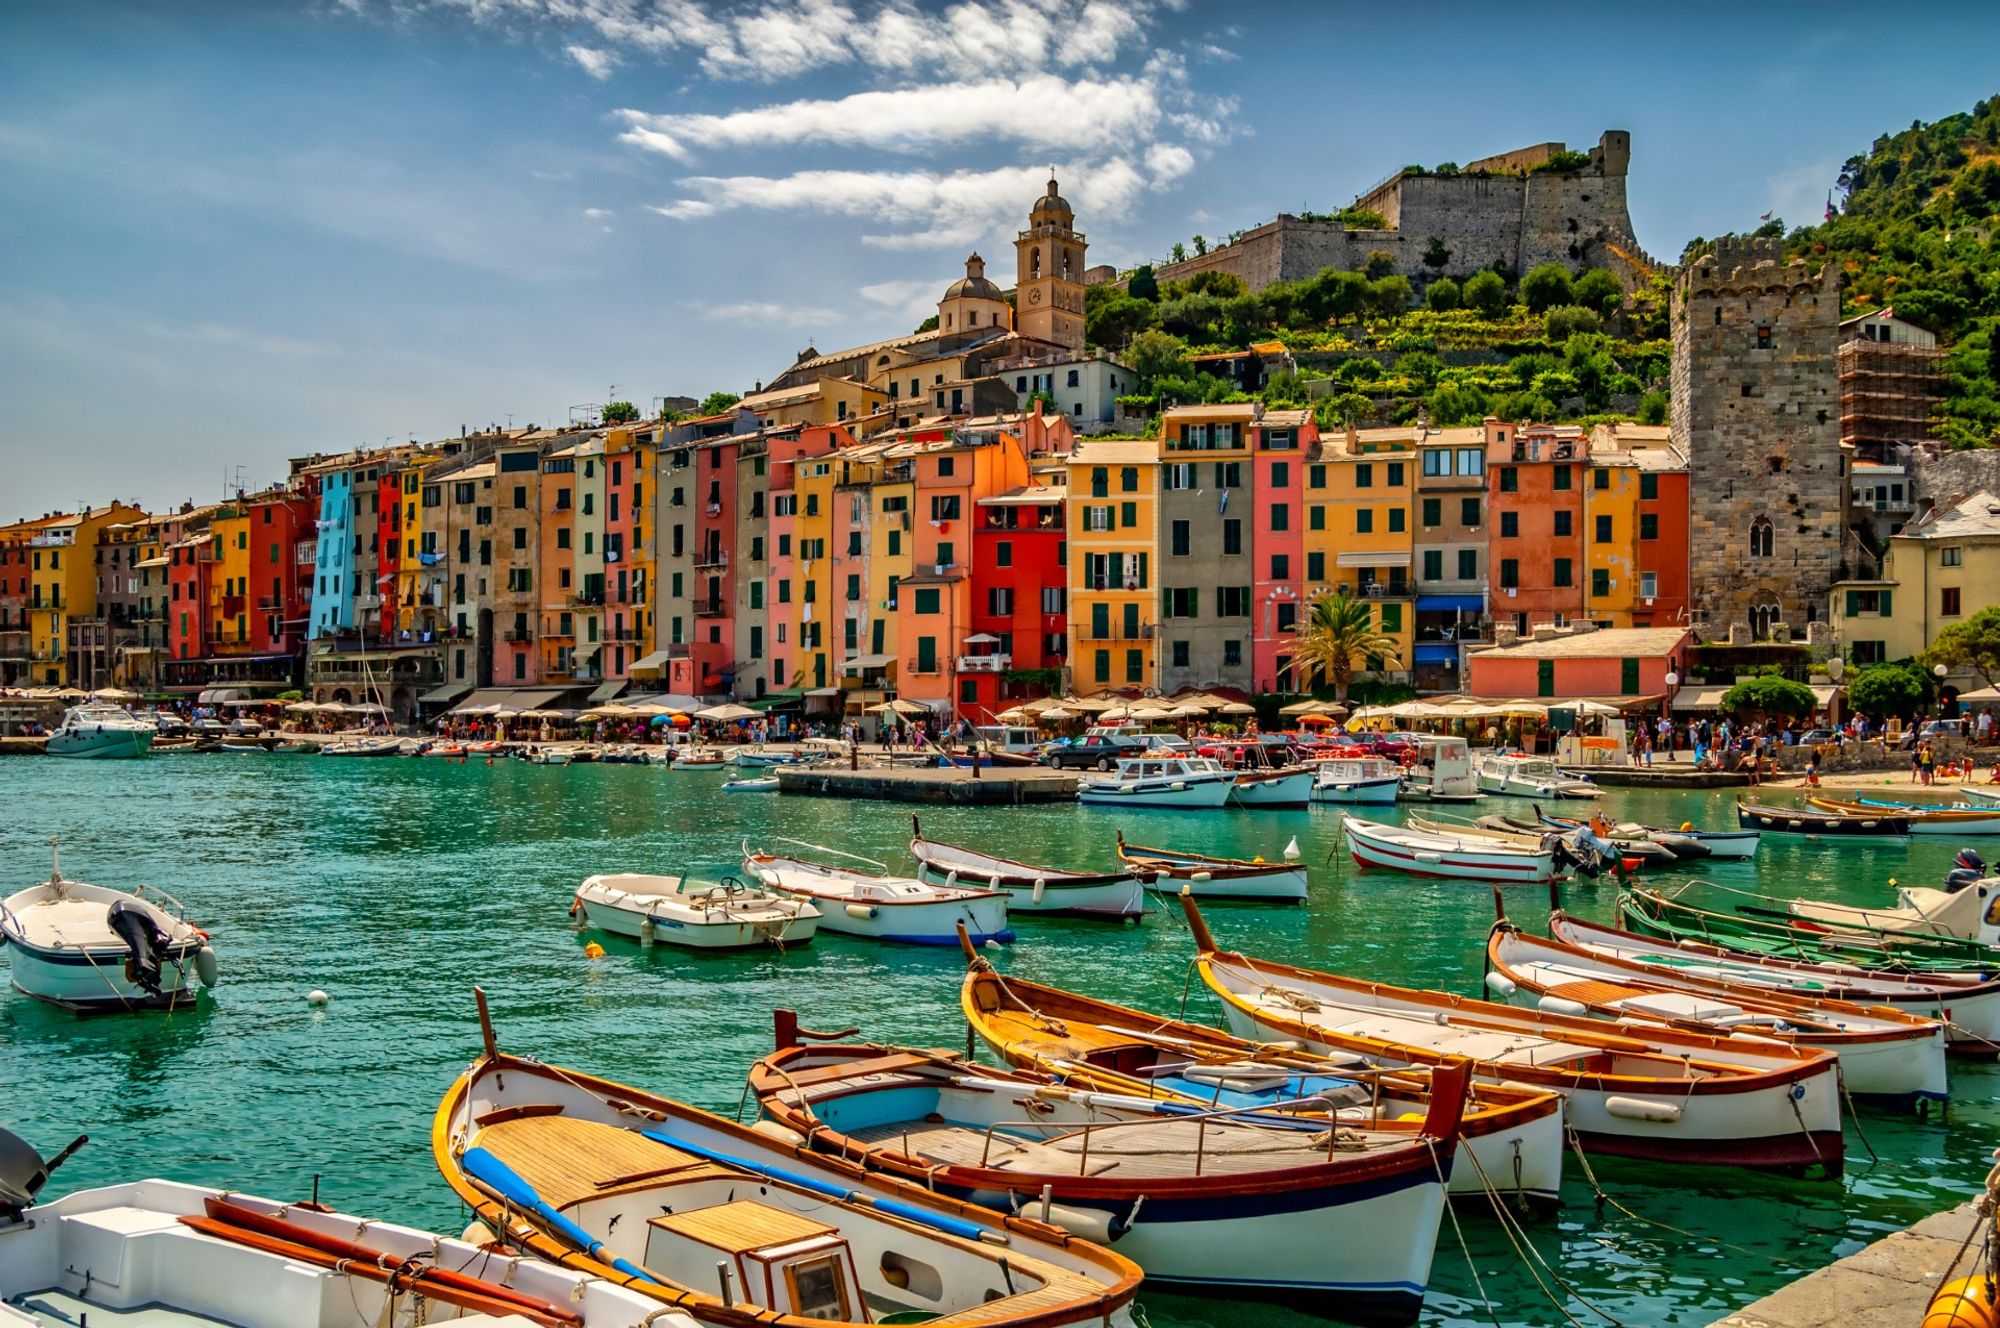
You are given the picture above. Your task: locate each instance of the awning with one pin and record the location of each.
(1451, 604)
(1383, 558)
(444, 695)
(606, 690)
(652, 663)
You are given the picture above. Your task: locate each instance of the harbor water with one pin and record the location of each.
(396, 885)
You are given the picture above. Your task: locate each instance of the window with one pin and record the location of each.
(1364, 476)
(1561, 575)
(1761, 536)
(1316, 516)
(1510, 480)
(1364, 520)
(1232, 537)
(1649, 526)
(1232, 653)
(1600, 582)
(1003, 553)
(1510, 573)
(1948, 602)
(1468, 512)
(1281, 516)
(1179, 539)
(1564, 523)
(1433, 513)
(1951, 557)
(1180, 654)
(1601, 533)
(1649, 486)
(1559, 479)
(1433, 565)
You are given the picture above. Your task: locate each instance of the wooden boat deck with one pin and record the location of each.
(569, 1160)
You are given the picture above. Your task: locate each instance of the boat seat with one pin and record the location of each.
(567, 1159)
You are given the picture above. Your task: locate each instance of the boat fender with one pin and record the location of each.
(1501, 985)
(784, 1134)
(1092, 1224)
(1642, 1109)
(861, 911)
(1201, 877)
(205, 966)
(1041, 888)
(1562, 1005)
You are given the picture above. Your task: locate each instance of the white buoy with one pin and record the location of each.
(316, 997)
(1292, 850)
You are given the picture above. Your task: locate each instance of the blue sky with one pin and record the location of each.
(233, 233)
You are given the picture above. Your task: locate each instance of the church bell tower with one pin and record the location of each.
(1048, 282)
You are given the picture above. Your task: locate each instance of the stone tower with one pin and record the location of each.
(1048, 286)
(972, 302)
(1756, 410)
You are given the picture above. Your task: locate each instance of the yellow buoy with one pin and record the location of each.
(593, 951)
(1966, 1303)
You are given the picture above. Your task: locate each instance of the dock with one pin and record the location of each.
(996, 786)
(1887, 1285)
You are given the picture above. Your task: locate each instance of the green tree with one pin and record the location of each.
(1444, 294)
(1882, 690)
(1486, 292)
(1769, 698)
(1599, 290)
(1566, 320)
(1973, 644)
(717, 402)
(1339, 630)
(620, 412)
(1156, 355)
(1143, 285)
(1546, 287)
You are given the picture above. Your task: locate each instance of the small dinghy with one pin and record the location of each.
(1454, 856)
(90, 948)
(1169, 871)
(1883, 1052)
(883, 907)
(1236, 1201)
(1812, 823)
(1668, 1095)
(740, 1228)
(698, 915)
(1043, 891)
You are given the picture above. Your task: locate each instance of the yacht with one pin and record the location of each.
(100, 731)
(1531, 777)
(1154, 780)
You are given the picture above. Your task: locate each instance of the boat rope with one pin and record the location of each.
(1853, 1116)
(1471, 1265)
(1529, 1256)
(1597, 1193)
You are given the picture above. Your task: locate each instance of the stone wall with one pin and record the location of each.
(1756, 409)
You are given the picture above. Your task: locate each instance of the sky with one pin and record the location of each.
(234, 233)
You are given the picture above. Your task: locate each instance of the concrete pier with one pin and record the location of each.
(995, 786)
(1887, 1285)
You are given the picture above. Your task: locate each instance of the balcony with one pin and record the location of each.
(711, 608)
(985, 663)
(1115, 632)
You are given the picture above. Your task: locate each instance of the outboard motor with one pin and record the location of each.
(144, 941)
(23, 1173)
(1966, 868)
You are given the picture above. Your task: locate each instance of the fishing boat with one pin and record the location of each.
(1515, 775)
(1883, 1052)
(1668, 1095)
(1277, 787)
(1447, 855)
(699, 760)
(880, 906)
(100, 731)
(1170, 871)
(697, 915)
(1353, 781)
(1814, 824)
(91, 949)
(161, 1253)
(1229, 1200)
(752, 784)
(739, 1228)
(1043, 891)
(1967, 1004)
(1771, 928)
(1158, 780)
(1686, 843)
(1512, 1136)
(1953, 821)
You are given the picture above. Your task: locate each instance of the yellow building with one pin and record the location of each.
(1360, 536)
(63, 585)
(1940, 569)
(1112, 519)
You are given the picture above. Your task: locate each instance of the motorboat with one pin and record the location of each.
(1357, 781)
(1959, 822)
(752, 784)
(1230, 1200)
(1511, 774)
(697, 915)
(100, 731)
(1277, 787)
(1812, 823)
(1512, 1136)
(1664, 1094)
(1043, 891)
(1968, 1004)
(883, 907)
(184, 1256)
(1156, 780)
(90, 948)
(1174, 872)
(1452, 856)
(1769, 927)
(742, 1226)
(1884, 1053)
(1442, 772)
(1684, 841)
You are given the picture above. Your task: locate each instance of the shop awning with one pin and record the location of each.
(1451, 604)
(652, 663)
(444, 695)
(1365, 558)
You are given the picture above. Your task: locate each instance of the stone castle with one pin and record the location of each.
(1756, 410)
(1498, 210)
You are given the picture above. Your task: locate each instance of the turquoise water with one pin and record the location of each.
(396, 885)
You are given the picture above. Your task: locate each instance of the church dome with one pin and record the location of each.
(974, 285)
(1051, 207)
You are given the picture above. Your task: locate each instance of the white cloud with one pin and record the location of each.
(771, 312)
(596, 63)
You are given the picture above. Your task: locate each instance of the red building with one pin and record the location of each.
(1019, 599)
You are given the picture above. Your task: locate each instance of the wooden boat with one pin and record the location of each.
(760, 784)
(1519, 776)
(92, 949)
(1277, 787)
(1169, 871)
(1883, 1052)
(696, 915)
(1513, 1135)
(740, 1229)
(1357, 781)
(883, 907)
(1968, 1004)
(160, 1252)
(1774, 930)
(1230, 1200)
(1158, 780)
(1668, 1095)
(1955, 821)
(1813, 824)
(1450, 856)
(1044, 891)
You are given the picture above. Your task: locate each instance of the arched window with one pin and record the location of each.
(1760, 538)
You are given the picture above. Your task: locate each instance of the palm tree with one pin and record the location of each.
(1339, 628)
